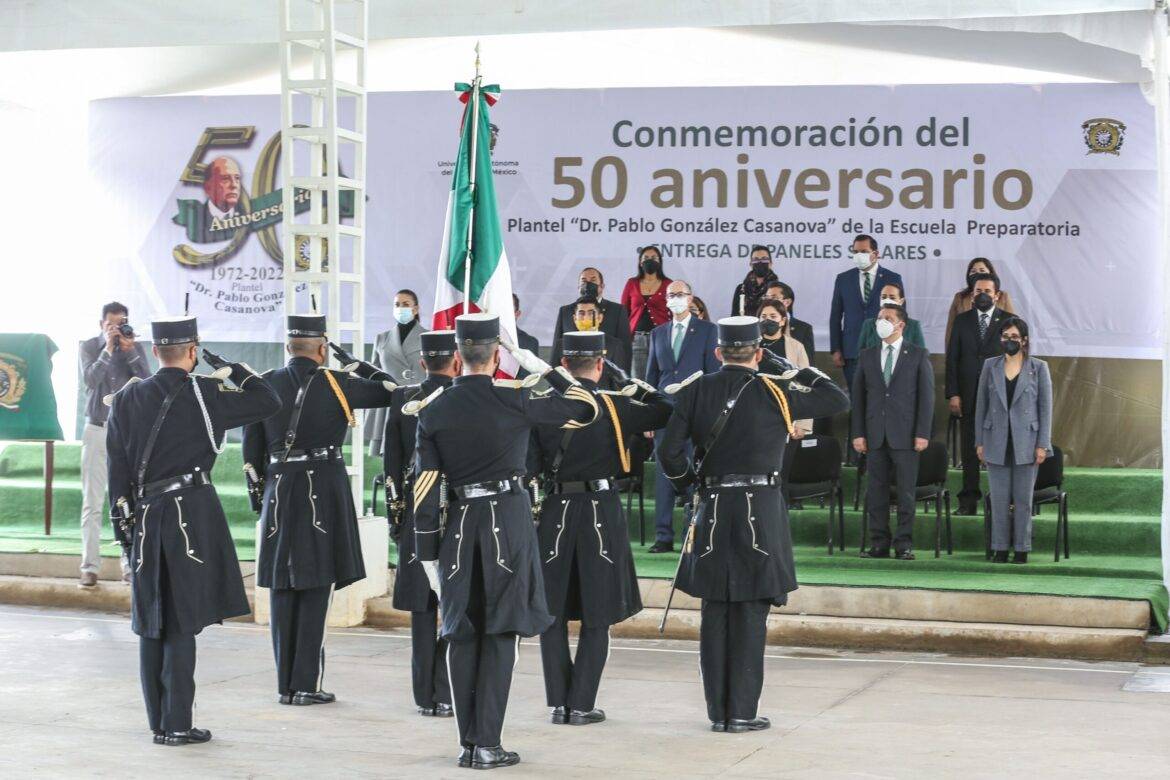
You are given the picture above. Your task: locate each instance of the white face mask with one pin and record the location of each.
(678, 305)
(891, 302)
(862, 260)
(885, 329)
(403, 314)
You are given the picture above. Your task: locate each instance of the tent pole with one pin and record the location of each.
(1162, 135)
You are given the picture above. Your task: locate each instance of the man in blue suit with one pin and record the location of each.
(856, 297)
(678, 349)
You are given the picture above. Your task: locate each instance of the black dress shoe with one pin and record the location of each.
(191, 736)
(304, 698)
(285, 698)
(999, 556)
(905, 555)
(581, 718)
(444, 711)
(1019, 556)
(493, 758)
(426, 712)
(559, 716)
(661, 547)
(738, 725)
(875, 553)
(160, 737)
(719, 725)
(465, 757)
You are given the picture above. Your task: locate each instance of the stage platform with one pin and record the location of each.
(1115, 563)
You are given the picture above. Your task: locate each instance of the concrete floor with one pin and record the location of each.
(70, 707)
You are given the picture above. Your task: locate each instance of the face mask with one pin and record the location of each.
(650, 267)
(585, 323)
(769, 327)
(760, 268)
(885, 329)
(678, 305)
(891, 302)
(862, 260)
(403, 314)
(983, 301)
(1011, 347)
(589, 290)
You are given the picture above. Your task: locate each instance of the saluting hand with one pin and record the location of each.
(343, 357)
(214, 360)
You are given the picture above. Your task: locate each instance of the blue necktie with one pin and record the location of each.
(676, 341)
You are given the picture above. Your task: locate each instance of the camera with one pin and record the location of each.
(124, 329)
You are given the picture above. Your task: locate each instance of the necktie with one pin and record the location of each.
(868, 285)
(982, 327)
(888, 366)
(676, 341)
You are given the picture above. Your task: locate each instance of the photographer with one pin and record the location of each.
(108, 362)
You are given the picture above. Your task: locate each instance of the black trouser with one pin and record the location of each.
(298, 637)
(428, 660)
(166, 667)
(480, 671)
(880, 462)
(568, 682)
(731, 657)
(970, 494)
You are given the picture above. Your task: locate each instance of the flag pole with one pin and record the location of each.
(475, 85)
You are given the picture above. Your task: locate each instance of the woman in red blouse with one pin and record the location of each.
(644, 297)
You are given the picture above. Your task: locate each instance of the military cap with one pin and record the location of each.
(306, 325)
(437, 342)
(739, 331)
(477, 328)
(172, 331)
(583, 343)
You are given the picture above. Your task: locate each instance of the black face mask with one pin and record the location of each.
(983, 301)
(760, 267)
(590, 290)
(1011, 347)
(651, 267)
(769, 327)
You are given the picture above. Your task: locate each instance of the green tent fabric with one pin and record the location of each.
(28, 406)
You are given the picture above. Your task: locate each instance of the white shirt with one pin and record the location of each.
(218, 213)
(685, 323)
(872, 280)
(985, 316)
(897, 347)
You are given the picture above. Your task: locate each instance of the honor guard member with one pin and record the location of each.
(163, 436)
(309, 543)
(412, 592)
(737, 556)
(584, 543)
(485, 564)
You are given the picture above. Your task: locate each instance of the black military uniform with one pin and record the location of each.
(737, 556)
(309, 543)
(163, 435)
(475, 436)
(584, 541)
(412, 592)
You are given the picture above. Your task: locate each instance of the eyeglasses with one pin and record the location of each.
(678, 295)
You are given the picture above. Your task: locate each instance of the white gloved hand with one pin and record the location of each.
(530, 362)
(431, 569)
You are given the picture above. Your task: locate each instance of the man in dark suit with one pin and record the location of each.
(893, 407)
(524, 339)
(856, 298)
(798, 329)
(589, 316)
(614, 321)
(974, 339)
(679, 348)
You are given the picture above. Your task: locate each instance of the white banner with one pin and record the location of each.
(1056, 184)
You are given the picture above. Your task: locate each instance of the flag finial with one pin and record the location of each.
(477, 59)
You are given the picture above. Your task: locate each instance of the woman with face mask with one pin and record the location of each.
(397, 351)
(644, 297)
(965, 297)
(747, 295)
(891, 294)
(1013, 436)
(774, 329)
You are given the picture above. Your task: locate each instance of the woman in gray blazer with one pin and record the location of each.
(1013, 436)
(397, 352)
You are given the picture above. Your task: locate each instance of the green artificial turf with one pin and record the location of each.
(1115, 522)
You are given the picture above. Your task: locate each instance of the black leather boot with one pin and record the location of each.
(493, 758)
(738, 725)
(304, 698)
(191, 736)
(580, 718)
(559, 716)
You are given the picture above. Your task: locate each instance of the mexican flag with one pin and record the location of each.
(472, 234)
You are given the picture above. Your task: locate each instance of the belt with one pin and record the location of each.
(300, 456)
(587, 486)
(160, 486)
(741, 480)
(485, 489)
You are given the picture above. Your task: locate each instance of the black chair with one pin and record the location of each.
(816, 473)
(379, 481)
(1047, 490)
(953, 441)
(930, 488)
